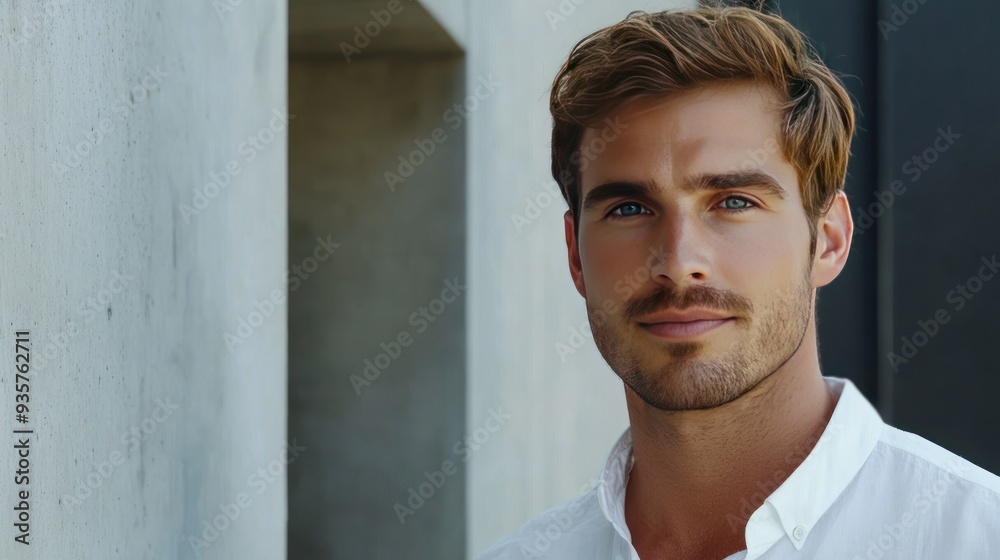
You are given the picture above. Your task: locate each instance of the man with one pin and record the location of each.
(723, 194)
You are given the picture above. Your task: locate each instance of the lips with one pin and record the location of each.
(684, 316)
(686, 323)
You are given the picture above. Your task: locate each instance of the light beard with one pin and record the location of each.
(683, 378)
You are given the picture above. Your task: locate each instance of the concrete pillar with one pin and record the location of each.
(377, 361)
(142, 219)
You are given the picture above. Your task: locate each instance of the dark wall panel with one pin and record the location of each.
(944, 122)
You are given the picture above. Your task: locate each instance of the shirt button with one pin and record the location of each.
(799, 533)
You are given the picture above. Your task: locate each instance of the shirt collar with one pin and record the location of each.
(798, 503)
(612, 482)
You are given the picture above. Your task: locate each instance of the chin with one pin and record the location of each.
(690, 383)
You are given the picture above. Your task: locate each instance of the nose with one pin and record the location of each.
(680, 253)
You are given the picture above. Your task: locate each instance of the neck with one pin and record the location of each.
(699, 475)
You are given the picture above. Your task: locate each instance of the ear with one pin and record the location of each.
(573, 248)
(833, 241)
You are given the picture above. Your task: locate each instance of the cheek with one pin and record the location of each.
(610, 263)
(762, 261)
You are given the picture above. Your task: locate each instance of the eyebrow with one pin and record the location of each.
(748, 179)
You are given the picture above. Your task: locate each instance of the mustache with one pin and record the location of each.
(698, 296)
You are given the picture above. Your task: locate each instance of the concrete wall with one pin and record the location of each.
(146, 425)
(376, 431)
(565, 411)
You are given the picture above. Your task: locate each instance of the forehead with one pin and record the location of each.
(718, 128)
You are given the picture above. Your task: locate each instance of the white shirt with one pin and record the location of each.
(866, 491)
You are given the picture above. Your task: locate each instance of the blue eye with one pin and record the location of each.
(737, 204)
(627, 210)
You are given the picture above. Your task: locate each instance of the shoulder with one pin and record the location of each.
(929, 460)
(934, 488)
(563, 531)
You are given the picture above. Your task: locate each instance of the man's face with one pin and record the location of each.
(694, 247)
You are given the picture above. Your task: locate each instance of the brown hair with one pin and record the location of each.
(652, 55)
